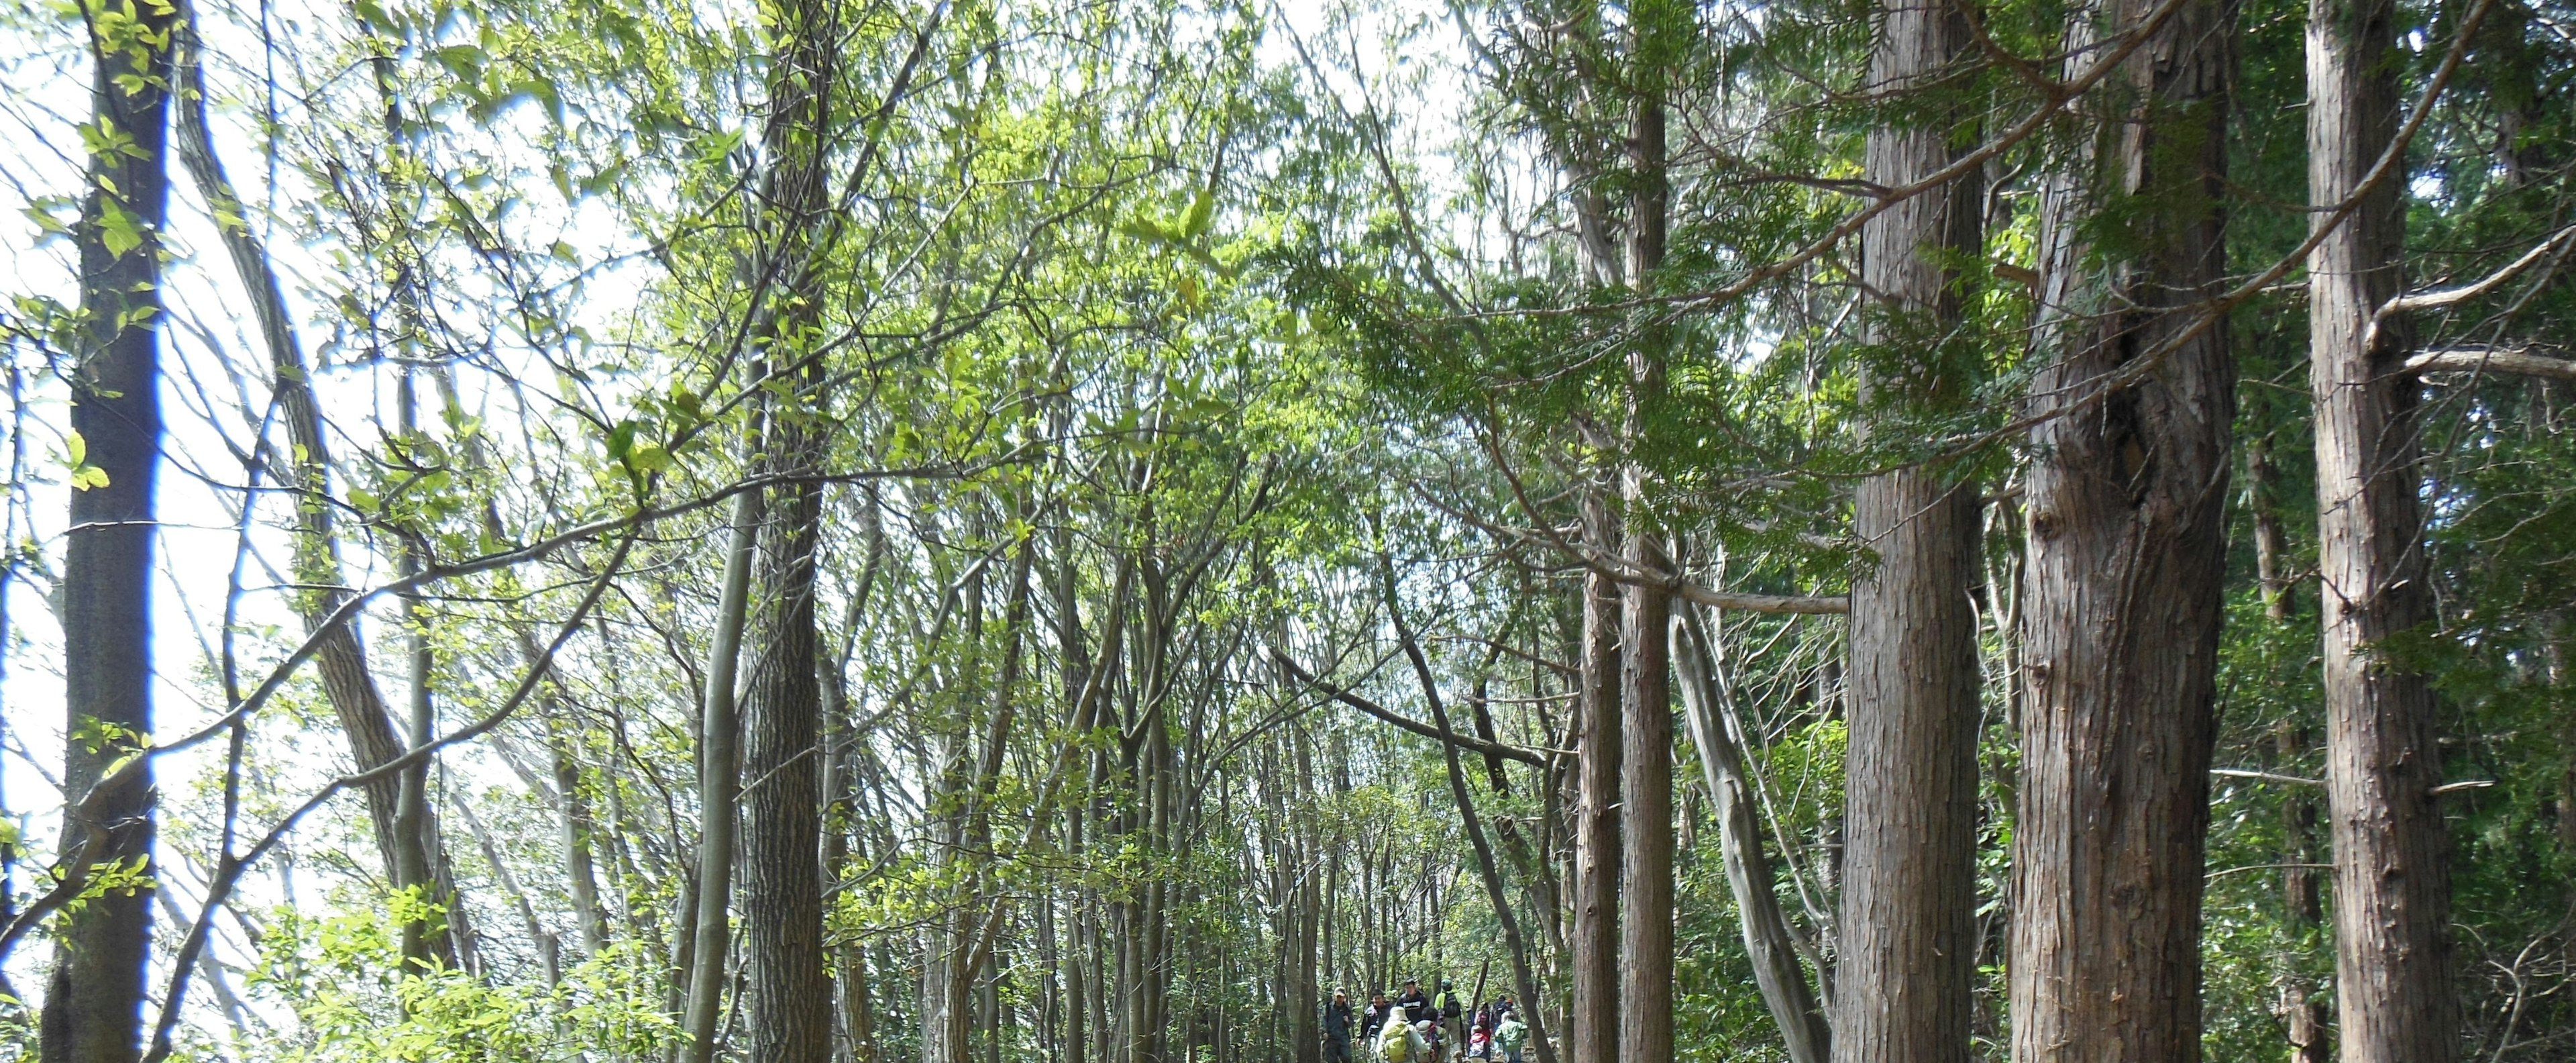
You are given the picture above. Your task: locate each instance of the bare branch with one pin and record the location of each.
(2516, 360)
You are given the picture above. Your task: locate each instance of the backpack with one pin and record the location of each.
(1395, 1042)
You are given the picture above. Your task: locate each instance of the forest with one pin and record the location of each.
(987, 531)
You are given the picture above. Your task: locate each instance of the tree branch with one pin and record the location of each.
(2516, 360)
(1491, 749)
(2436, 298)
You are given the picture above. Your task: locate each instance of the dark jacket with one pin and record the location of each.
(1417, 1007)
(1337, 1021)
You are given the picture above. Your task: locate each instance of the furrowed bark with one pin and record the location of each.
(787, 992)
(788, 1001)
(2122, 589)
(1907, 949)
(2393, 985)
(1646, 735)
(1595, 1019)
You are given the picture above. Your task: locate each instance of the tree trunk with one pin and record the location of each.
(1768, 940)
(1907, 948)
(1596, 840)
(1081, 951)
(1305, 1032)
(340, 659)
(2303, 902)
(93, 1009)
(2301, 899)
(787, 1006)
(414, 841)
(787, 992)
(2122, 597)
(719, 788)
(2392, 883)
(579, 873)
(1646, 736)
(947, 981)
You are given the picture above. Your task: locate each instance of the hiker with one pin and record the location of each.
(1415, 1006)
(1480, 1041)
(1509, 1035)
(1402, 1042)
(1430, 1032)
(1446, 1010)
(1374, 1019)
(1337, 1028)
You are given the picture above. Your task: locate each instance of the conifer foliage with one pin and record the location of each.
(851, 531)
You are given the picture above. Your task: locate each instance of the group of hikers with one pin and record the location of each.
(1415, 1027)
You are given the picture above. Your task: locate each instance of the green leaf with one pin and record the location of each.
(649, 457)
(1146, 229)
(376, 18)
(1202, 211)
(464, 60)
(119, 229)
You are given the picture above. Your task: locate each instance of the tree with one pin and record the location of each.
(2122, 586)
(708, 938)
(788, 996)
(1768, 940)
(341, 661)
(93, 1010)
(1595, 1013)
(1658, 34)
(1905, 949)
(2392, 911)
(1069, 530)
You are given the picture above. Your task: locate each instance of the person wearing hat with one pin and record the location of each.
(1448, 1011)
(1509, 1035)
(1337, 1028)
(1403, 1042)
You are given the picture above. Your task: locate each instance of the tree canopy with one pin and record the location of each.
(858, 530)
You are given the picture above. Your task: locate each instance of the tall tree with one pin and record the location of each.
(706, 940)
(787, 985)
(1594, 1023)
(1656, 32)
(2392, 884)
(1906, 951)
(2121, 593)
(93, 1009)
(339, 658)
